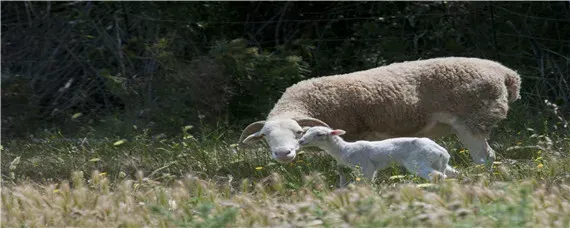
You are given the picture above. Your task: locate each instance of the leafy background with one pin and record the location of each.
(162, 65)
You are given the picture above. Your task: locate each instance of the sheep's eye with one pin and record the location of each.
(320, 134)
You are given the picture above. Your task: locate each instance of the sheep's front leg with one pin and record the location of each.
(479, 148)
(342, 181)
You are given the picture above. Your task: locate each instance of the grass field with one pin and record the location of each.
(200, 179)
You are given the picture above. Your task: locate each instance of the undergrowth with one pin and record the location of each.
(191, 201)
(202, 179)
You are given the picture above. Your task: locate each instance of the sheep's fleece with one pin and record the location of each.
(424, 98)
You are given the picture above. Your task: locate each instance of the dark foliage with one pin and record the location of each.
(163, 65)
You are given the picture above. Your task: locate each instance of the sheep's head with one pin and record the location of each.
(282, 135)
(316, 136)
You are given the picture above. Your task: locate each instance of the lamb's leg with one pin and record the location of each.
(479, 148)
(420, 169)
(343, 181)
(369, 172)
(450, 172)
(430, 173)
(412, 167)
(446, 169)
(442, 165)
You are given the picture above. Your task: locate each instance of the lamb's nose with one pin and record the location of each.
(301, 142)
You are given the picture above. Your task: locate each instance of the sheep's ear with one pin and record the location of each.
(255, 136)
(338, 132)
(310, 122)
(251, 132)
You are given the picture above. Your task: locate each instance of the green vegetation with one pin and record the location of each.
(205, 181)
(200, 203)
(161, 65)
(126, 114)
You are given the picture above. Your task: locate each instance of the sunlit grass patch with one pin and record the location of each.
(192, 201)
(208, 181)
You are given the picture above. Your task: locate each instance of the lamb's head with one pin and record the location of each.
(317, 136)
(282, 135)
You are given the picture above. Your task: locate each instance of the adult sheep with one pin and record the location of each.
(425, 98)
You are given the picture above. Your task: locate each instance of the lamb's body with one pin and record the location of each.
(426, 98)
(420, 156)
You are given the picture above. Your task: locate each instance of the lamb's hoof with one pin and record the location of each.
(437, 177)
(451, 175)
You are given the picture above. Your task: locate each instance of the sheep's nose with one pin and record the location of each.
(283, 153)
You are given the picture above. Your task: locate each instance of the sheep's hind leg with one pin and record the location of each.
(342, 181)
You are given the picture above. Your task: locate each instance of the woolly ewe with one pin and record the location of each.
(426, 98)
(421, 156)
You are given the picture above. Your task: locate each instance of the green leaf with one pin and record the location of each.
(117, 143)
(76, 115)
(425, 185)
(14, 163)
(397, 177)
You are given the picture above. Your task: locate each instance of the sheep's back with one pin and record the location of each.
(397, 98)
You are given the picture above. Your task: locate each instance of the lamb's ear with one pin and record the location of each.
(310, 122)
(338, 132)
(251, 132)
(305, 129)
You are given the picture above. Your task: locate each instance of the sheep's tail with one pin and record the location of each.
(513, 84)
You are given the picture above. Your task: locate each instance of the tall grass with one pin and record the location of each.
(195, 202)
(201, 179)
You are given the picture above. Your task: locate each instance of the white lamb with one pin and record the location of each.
(421, 156)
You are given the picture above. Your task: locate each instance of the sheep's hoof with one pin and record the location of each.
(490, 160)
(489, 164)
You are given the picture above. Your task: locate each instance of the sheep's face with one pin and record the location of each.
(281, 135)
(282, 138)
(318, 136)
